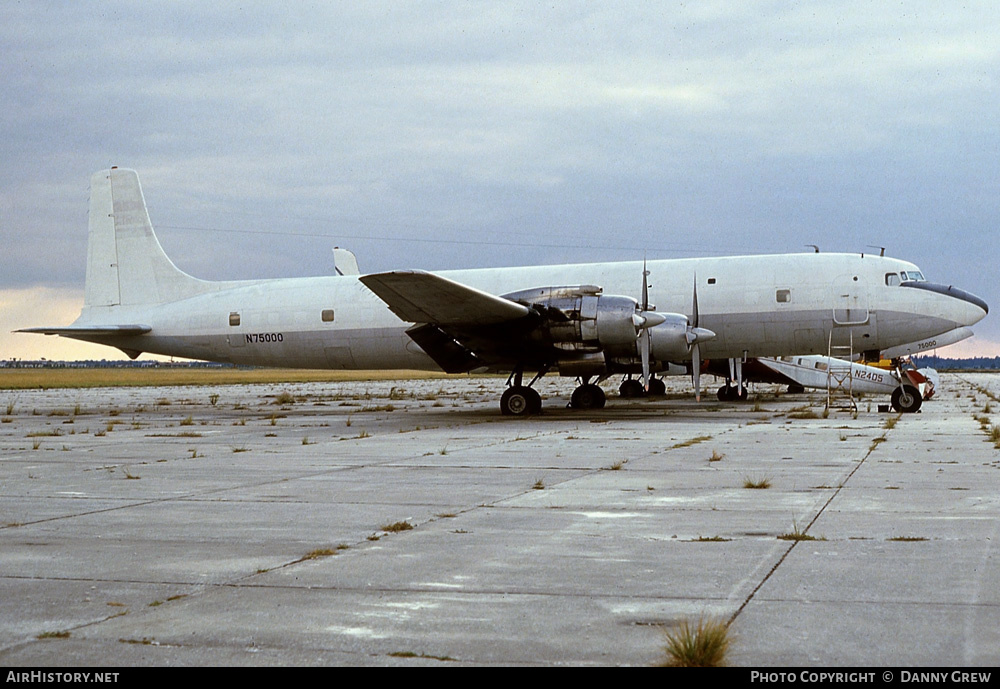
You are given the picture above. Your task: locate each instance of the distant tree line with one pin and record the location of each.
(977, 363)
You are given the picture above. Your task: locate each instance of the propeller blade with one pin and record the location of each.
(696, 370)
(644, 345)
(694, 303)
(645, 286)
(695, 335)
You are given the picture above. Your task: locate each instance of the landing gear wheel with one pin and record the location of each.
(520, 401)
(631, 388)
(588, 396)
(657, 387)
(731, 393)
(535, 406)
(906, 399)
(795, 389)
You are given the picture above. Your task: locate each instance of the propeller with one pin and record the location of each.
(692, 336)
(645, 341)
(695, 335)
(645, 319)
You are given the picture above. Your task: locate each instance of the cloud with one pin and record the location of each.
(40, 307)
(663, 129)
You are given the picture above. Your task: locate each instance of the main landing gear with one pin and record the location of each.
(732, 393)
(519, 399)
(632, 387)
(588, 396)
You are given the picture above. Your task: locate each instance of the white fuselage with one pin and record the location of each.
(757, 306)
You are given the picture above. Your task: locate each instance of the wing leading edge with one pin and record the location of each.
(420, 297)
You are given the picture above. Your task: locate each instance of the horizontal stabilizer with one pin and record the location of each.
(90, 330)
(419, 297)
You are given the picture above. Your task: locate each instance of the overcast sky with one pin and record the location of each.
(465, 134)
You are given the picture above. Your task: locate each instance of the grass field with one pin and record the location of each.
(46, 378)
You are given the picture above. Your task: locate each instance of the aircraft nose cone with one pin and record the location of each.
(976, 308)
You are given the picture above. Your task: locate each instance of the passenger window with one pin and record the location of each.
(891, 279)
(821, 366)
(327, 315)
(711, 281)
(783, 296)
(234, 318)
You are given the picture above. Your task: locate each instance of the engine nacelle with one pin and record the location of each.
(669, 339)
(581, 319)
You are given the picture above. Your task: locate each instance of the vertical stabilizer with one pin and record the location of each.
(125, 263)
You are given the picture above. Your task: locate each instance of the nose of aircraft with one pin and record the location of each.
(969, 309)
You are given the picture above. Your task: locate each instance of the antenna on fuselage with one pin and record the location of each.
(881, 249)
(815, 248)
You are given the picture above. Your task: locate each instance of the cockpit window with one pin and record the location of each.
(912, 276)
(892, 279)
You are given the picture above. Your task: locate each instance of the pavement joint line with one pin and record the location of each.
(812, 521)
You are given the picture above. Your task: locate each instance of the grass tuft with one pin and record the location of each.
(318, 553)
(692, 441)
(704, 644)
(757, 483)
(284, 399)
(53, 635)
(994, 434)
(396, 527)
(796, 535)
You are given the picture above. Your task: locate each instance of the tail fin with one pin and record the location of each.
(125, 263)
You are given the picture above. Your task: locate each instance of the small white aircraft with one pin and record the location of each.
(579, 320)
(906, 385)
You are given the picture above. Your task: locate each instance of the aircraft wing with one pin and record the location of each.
(419, 297)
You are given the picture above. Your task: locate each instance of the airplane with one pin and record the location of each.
(907, 385)
(580, 320)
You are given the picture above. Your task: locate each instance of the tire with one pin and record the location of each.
(519, 401)
(730, 393)
(906, 399)
(588, 397)
(631, 388)
(657, 387)
(535, 406)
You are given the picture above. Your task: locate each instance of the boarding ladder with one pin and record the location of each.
(840, 375)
